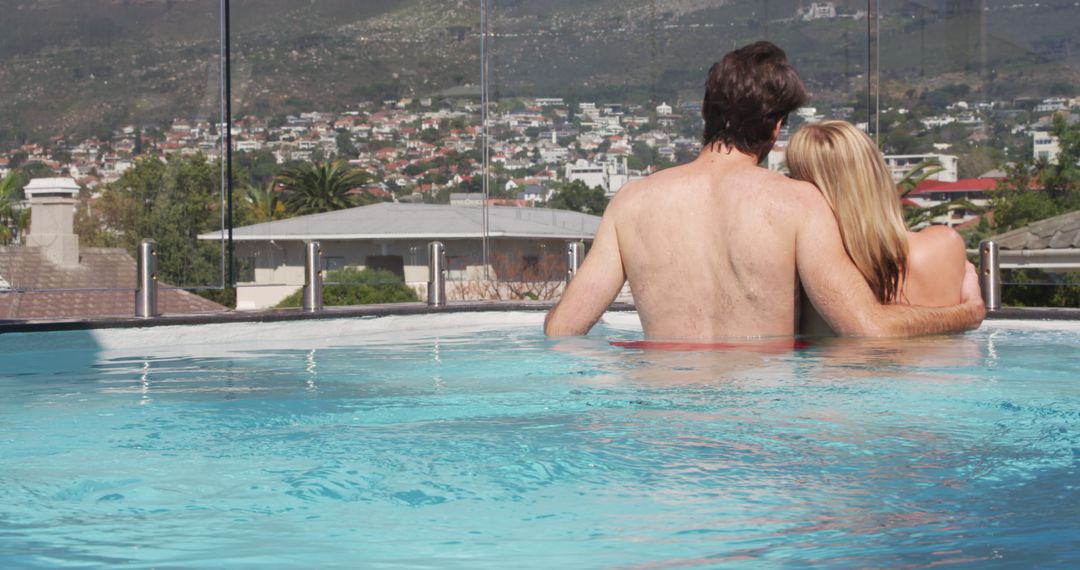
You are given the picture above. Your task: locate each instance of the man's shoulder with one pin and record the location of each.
(802, 197)
(783, 183)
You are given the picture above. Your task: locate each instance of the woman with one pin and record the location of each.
(917, 268)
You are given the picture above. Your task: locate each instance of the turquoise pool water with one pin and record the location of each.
(470, 441)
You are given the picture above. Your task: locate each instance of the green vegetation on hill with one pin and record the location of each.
(90, 67)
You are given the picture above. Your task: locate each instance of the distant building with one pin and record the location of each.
(467, 199)
(394, 237)
(776, 159)
(534, 194)
(808, 114)
(1052, 104)
(610, 175)
(1045, 146)
(930, 193)
(663, 109)
(591, 174)
(900, 165)
(819, 11)
(937, 121)
(52, 277)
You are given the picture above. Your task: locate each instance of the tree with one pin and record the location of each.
(170, 203)
(345, 146)
(311, 188)
(255, 167)
(353, 286)
(13, 220)
(1020, 206)
(261, 203)
(1017, 202)
(1062, 179)
(578, 197)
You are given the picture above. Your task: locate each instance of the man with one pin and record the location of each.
(718, 247)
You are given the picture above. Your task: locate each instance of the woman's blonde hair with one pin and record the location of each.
(848, 169)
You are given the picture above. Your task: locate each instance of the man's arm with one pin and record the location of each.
(841, 295)
(597, 283)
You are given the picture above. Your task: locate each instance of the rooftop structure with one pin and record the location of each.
(101, 284)
(1053, 243)
(394, 237)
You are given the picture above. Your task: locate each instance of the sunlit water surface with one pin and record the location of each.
(470, 441)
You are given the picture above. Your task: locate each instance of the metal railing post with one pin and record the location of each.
(990, 274)
(575, 253)
(313, 278)
(146, 281)
(436, 287)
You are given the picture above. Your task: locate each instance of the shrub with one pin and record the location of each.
(358, 287)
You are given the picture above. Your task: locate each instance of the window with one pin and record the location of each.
(245, 269)
(333, 263)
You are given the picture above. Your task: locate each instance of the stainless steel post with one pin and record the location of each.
(575, 253)
(313, 285)
(990, 274)
(436, 287)
(146, 285)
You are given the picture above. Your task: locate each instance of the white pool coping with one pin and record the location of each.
(350, 331)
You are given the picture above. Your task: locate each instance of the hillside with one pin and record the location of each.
(87, 67)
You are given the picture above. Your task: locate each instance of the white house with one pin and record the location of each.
(1045, 146)
(609, 175)
(930, 193)
(820, 11)
(587, 172)
(902, 164)
(395, 236)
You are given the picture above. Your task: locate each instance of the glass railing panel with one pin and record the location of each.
(976, 97)
(109, 116)
(359, 122)
(586, 97)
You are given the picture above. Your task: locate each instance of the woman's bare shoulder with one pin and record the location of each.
(936, 258)
(940, 243)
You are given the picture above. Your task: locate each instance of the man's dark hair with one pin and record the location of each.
(746, 93)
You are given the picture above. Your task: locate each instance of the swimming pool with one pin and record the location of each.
(470, 441)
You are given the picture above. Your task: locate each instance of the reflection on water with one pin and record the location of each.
(498, 448)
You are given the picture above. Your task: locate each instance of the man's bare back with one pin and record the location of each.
(709, 248)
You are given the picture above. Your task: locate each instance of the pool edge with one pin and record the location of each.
(280, 315)
(398, 309)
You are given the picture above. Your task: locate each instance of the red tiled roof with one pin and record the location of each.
(102, 285)
(962, 185)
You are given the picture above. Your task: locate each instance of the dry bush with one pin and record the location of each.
(514, 280)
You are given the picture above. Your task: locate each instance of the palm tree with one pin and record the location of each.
(311, 188)
(915, 216)
(917, 175)
(262, 203)
(13, 219)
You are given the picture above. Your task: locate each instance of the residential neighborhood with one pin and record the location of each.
(417, 151)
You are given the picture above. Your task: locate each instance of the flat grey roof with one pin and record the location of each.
(422, 221)
(1059, 232)
(1052, 244)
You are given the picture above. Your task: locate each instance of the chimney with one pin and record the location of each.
(52, 218)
